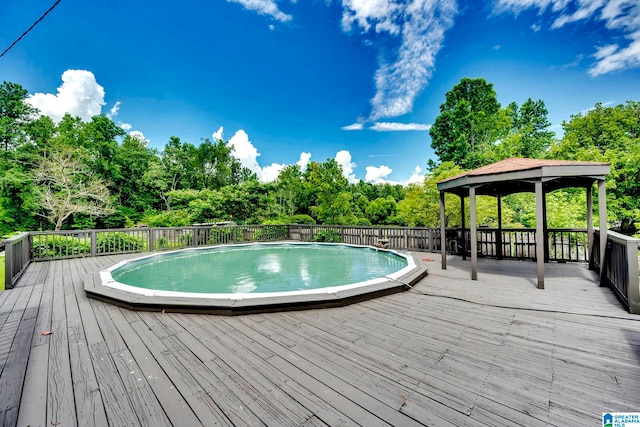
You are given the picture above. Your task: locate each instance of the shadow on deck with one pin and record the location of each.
(497, 351)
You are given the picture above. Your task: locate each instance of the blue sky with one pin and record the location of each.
(288, 81)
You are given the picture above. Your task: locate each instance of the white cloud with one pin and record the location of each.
(416, 177)
(395, 127)
(377, 175)
(270, 173)
(354, 126)
(79, 95)
(243, 150)
(113, 112)
(264, 7)
(343, 157)
(622, 17)
(420, 25)
(381, 13)
(136, 134)
(217, 135)
(304, 161)
(125, 126)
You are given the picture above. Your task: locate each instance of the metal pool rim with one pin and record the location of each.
(101, 285)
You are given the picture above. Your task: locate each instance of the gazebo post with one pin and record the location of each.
(464, 240)
(602, 207)
(443, 243)
(474, 234)
(540, 241)
(544, 225)
(590, 225)
(499, 234)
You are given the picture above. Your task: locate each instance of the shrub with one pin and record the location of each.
(302, 219)
(220, 235)
(118, 242)
(50, 246)
(174, 218)
(329, 236)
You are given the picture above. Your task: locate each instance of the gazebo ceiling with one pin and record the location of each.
(519, 175)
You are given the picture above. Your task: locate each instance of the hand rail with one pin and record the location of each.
(17, 251)
(620, 270)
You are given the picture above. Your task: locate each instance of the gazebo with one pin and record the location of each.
(537, 176)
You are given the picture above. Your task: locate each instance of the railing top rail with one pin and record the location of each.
(18, 237)
(621, 238)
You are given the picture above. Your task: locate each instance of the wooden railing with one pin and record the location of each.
(620, 268)
(17, 258)
(563, 245)
(48, 245)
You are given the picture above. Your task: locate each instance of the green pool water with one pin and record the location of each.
(259, 268)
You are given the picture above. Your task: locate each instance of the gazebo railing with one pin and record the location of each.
(563, 244)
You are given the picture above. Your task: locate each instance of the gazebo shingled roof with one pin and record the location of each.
(517, 175)
(525, 175)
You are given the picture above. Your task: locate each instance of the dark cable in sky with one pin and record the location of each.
(30, 28)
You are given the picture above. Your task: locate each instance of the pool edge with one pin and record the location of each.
(94, 289)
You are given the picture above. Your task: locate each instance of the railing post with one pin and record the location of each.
(8, 265)
(94, 244)
(634, 278)
(151, 240)
(431, 238)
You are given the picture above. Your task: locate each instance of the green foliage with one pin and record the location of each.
(612, 135)
(421, 206)
(175, 218)
(187, 183)
(301, 219)
(83, 222)
(328, 235)
(470, 121)
(47, 246)
(118, 242)
(220, 235)
(381, 210)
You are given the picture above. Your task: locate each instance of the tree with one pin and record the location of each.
(66, 185)
(528, 135)
(381, 210)
(289, 190)
(612, 135)
(328, 193)
(134, 160)
(14, 115)
(470, 121)
(214, 164)
(421, 207)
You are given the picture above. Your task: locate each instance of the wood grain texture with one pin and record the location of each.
(450, 352)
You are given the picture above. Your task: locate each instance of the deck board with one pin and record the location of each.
(492, 352)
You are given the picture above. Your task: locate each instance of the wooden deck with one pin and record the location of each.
(493, 352)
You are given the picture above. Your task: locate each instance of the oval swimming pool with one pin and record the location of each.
(243, 277)
(258, 268)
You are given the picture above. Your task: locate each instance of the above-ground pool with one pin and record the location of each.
(245, 278)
